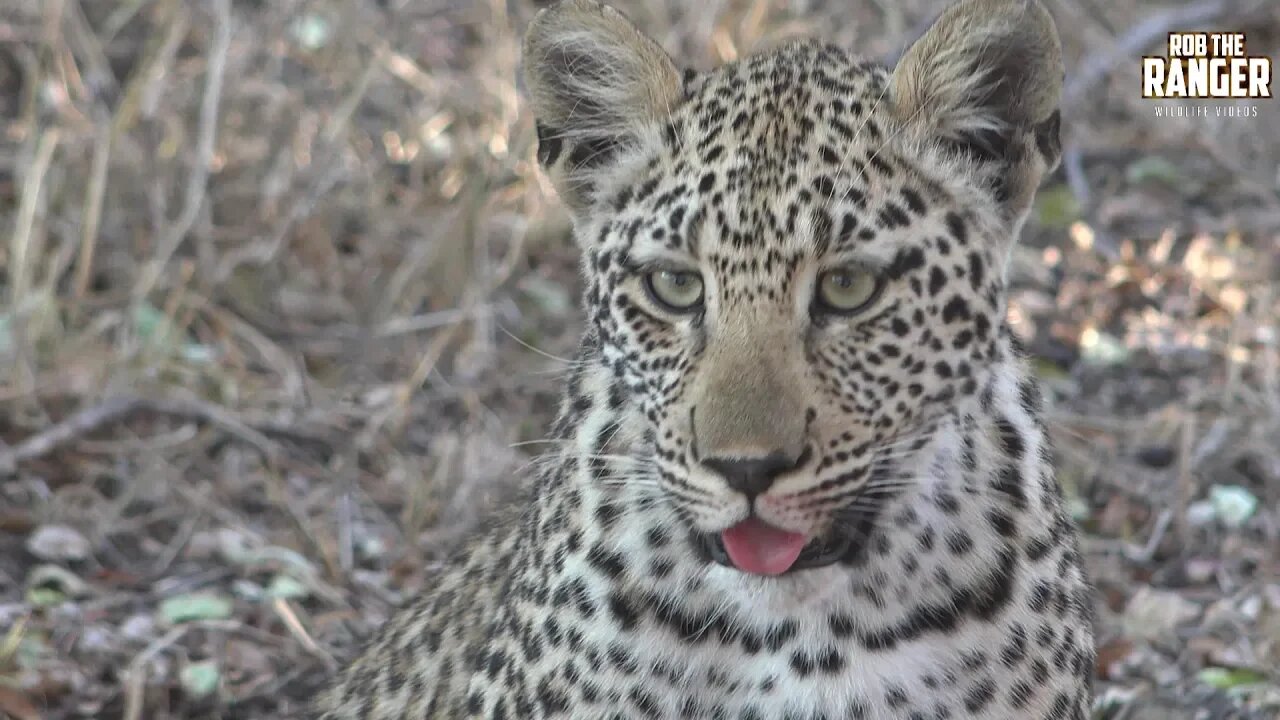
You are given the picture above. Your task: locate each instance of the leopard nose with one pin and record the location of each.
(753, 476)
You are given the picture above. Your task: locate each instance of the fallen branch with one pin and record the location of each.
(113, 409)
(194, 191)
(81, 423)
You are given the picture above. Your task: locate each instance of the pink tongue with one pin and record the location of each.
(762, 549)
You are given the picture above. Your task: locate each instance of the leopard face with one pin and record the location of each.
(794, 263)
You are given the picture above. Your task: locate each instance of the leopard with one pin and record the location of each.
(801, 469)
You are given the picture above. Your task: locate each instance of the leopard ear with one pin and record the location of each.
(986, 81)
(596, 82)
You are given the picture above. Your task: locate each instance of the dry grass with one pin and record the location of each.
(283, 295)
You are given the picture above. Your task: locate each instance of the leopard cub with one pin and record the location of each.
(801, 467)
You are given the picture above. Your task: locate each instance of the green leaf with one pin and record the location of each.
(158, 332)
(1228, 678)
(33, 652)
(1048, 370)
(1233, 504)
(311, 31)
(6, 334)
(200, 679)
(1103, 349)
(52, 584)
(1079, 509)
(1154, 168)
(550, 297)
(1056, 207)
(195, 606)
(45, 597)
(287, 587)
(153, 326)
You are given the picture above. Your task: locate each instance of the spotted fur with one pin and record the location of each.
(913, 427)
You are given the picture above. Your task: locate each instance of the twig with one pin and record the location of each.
(118, 19)
(83, 422)
(346, 532)
(25, 247)
(93, 195)
(406, 70)
(330, 152)
(99, 79)
(1147, 553)
(215, 415)
(302, 205)
(136, 676)
(157, 55)
(419, 323)
(285, 611)
(180, 539)
(89, 419)
(194, 192)
(21, 253)
(1186, 478)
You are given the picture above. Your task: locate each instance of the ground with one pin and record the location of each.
(286, 302)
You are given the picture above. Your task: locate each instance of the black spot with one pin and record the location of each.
(907, 260)
(937, 280)
(1008, 482)
(979, 695)
(1002, 522)
(607, 513)
(609, 563)
(976, 271)
(892, 216)
(671, 134)
(801, 664)
(821, 231)
(959, 542)
(623, 611)
(677, 217)
(841, 625)
(830, 661)
(1016, 649)
(955, 309)
(955, 225)
(552, 698)
(780, 634)
(913, 200)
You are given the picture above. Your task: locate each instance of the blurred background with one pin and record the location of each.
(284, 303)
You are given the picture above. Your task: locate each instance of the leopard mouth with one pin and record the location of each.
(847, 545)
(816, 554)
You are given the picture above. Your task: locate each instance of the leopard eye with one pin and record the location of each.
(674, 290)
(847, 290)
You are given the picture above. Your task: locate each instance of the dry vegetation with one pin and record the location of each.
(283, 295)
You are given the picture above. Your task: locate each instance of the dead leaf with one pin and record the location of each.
(1111, 653)
(16, 705)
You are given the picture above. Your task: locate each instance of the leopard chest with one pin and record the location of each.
(584, 646)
